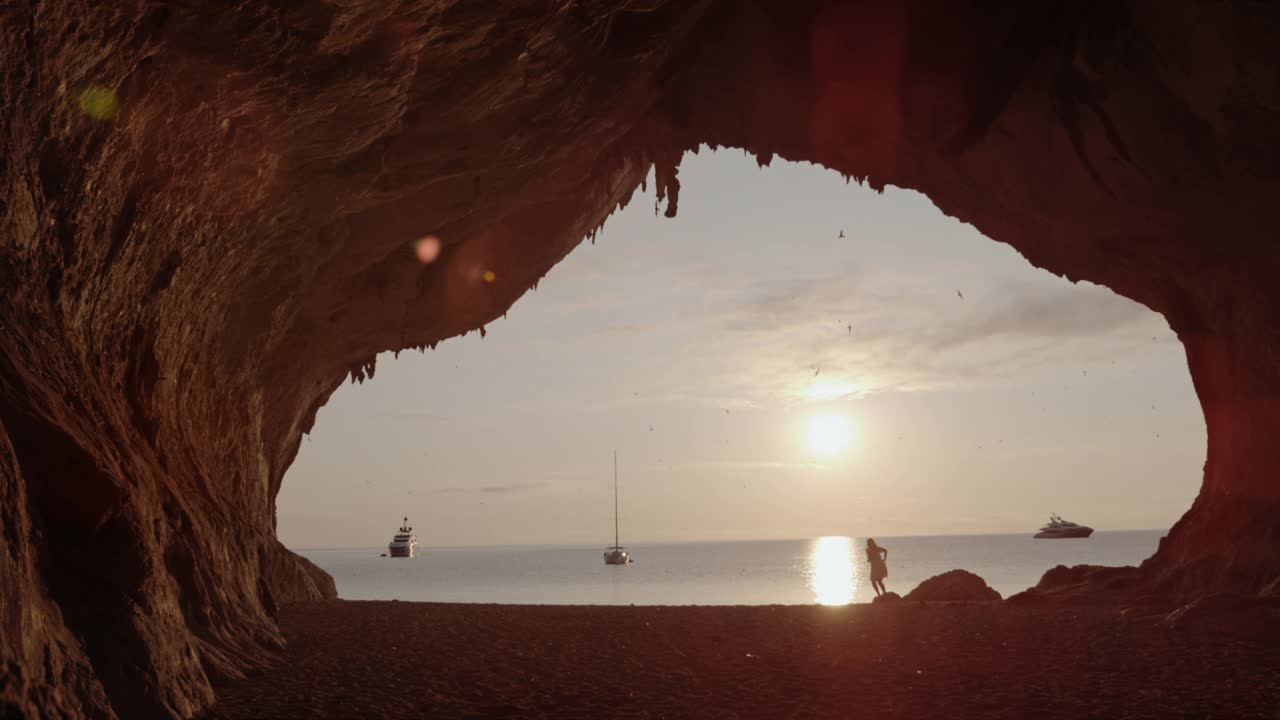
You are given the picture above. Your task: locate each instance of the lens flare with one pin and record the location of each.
(427, 249)
(489, 276)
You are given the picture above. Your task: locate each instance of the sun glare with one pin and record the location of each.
(829, 434)
(831, 570)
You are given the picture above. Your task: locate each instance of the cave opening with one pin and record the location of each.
(974, 392)
(208, 211)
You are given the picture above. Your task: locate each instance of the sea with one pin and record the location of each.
(823, 570)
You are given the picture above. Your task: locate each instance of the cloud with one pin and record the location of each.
(694, 324)
(412, 415)
(621, 329)
(773, 306)
(731, 466)
(915, 309)
(490, 489)
(1046, 313)
(851, 333)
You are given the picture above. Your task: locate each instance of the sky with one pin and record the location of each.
(761, 377)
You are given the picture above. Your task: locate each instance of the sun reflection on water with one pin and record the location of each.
(831, 570)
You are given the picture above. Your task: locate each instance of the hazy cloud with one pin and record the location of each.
(853, 332)
(730, 466)
(490, 489)
(1053, 313)
(412, 415)
(927, 315)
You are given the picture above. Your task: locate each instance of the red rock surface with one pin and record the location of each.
(208, 215)
(954, 586)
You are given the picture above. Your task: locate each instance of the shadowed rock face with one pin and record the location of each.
(208, 218)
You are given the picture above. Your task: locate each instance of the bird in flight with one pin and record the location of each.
(841, 235)
(850, 328)
(650, 428)
(960, 294)
(816, 370)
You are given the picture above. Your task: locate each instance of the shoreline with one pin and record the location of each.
(398, 659)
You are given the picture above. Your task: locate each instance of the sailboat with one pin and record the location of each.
(616, 554)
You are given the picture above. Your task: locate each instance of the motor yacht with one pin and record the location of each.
(1057, 529)
(404, 543)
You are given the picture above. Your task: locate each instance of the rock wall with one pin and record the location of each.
(212, 214)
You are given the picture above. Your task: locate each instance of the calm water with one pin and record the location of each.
(828, 570)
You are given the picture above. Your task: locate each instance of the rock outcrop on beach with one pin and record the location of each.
(888, 598)
(954, 586)
(212, 215)
(1087, 584)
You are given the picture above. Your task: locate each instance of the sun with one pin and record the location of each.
(829, 434)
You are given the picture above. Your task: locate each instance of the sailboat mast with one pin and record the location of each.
(615, 498)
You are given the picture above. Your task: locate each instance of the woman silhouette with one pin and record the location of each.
(877, 556)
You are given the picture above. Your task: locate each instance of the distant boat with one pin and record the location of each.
(616, 554)
(404, 543)
(1059, 529)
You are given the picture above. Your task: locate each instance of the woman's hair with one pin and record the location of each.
(871, 543)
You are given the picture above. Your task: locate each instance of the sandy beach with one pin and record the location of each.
(907, 660)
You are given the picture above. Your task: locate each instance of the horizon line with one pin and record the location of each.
(709, 541)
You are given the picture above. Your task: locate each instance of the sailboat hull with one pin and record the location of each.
(616, 554)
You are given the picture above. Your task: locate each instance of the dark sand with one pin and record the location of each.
(424, 660)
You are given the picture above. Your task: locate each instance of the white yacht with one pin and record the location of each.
(616, 554)
(1061, 529)
(404, 543)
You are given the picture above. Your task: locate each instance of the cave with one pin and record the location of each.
(206, 210)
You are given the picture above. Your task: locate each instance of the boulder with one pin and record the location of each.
(954, 586)
(1090, 585)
